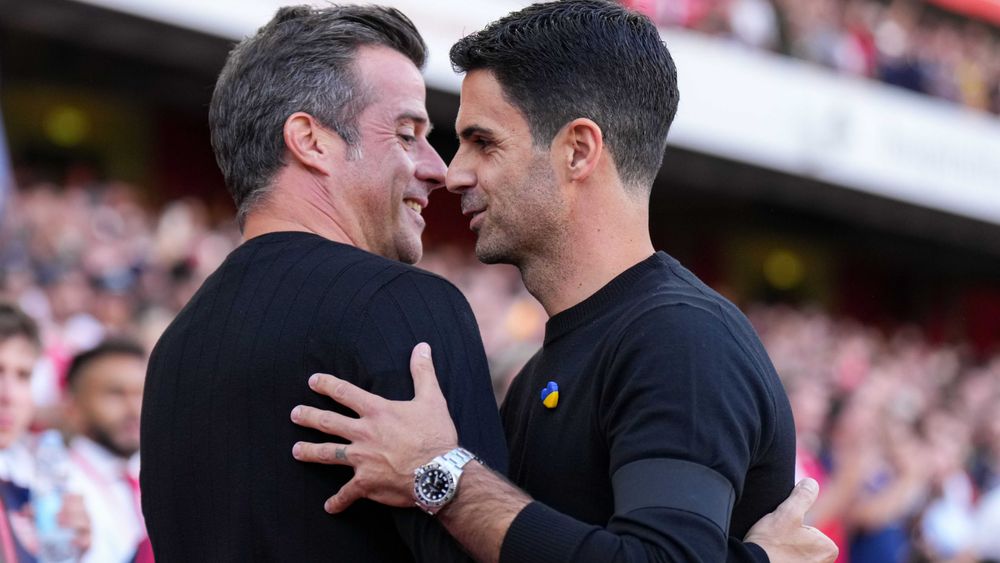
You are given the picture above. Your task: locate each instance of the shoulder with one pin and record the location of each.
(687, 345)
(662, 321)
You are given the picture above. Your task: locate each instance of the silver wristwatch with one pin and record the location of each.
(435, 484)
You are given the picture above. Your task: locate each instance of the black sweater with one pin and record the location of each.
(218, 479)
(670, 419)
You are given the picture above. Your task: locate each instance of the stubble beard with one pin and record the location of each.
(532, 224)
(105, 439)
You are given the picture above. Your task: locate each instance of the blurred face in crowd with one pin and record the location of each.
(107, 401)
(508, 187)
(17, 360)
(389, 184)
(810, 405)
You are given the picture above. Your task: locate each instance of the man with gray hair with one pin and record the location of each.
(320, 128)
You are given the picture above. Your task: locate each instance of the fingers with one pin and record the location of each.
(74, 516)
(73, 513)
(328, 422)
(344, 498)
(794, 508)
(347, 394)
(422, 369)
(328, 454)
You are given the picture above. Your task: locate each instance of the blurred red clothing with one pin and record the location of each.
(807, 465)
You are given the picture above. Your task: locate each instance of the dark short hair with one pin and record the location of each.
(15, 322)
(563, 60)
(110, 347)
(302, 60)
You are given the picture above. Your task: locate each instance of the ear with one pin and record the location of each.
(309, 143)
(582, 144)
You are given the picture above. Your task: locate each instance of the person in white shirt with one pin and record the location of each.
(105, 398)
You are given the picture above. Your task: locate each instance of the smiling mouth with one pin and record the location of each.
(414, 205)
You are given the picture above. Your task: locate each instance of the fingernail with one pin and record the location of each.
(297, 450)
(328, 507)
(313, 380)
(424, 350)
(296, 412)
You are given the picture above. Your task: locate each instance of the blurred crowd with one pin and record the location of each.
(90, 263)
(902, 434)
(906, 43)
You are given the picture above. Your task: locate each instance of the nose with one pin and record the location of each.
(461, 175)
(430, 167)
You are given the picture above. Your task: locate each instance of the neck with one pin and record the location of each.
(293, 210)
(596, 248)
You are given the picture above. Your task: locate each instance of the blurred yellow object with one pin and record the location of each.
(66, 126)
(783, 269)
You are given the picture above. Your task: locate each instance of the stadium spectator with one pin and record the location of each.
(905, 43)
(105, 397)
(19, 350)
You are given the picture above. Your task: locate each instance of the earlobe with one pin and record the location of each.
(586, 143)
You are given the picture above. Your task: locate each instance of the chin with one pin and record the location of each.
(491, 254)
(410, 255)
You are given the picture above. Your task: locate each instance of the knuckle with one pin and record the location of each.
(361, 485)
(325, 421)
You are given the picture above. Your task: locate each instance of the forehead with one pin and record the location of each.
(392, 80)
(18, 349)
(114, 366)
(485, 105)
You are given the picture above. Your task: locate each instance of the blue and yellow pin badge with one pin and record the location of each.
(550, 395)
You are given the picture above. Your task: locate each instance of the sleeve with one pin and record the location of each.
(680, 414)
(417, 307)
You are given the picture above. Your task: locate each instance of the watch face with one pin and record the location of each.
(435, 484)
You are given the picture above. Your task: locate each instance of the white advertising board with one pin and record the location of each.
(736, 103)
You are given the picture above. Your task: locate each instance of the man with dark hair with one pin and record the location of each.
(651, 426)
(104, 403)
(319, 125)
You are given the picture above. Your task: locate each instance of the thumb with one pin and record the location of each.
(422, 369)
(794, 508)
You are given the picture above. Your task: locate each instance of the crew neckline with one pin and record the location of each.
(604, 298)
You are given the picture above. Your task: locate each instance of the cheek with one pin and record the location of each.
(22, 396)
(109, 409)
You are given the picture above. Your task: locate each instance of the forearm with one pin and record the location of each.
(482, 511)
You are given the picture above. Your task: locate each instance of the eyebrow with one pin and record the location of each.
(473, 130)
(417, 118)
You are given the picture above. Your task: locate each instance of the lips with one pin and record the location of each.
(476, 219)
(473, 206)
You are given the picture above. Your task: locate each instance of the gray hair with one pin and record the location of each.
(302, 60)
